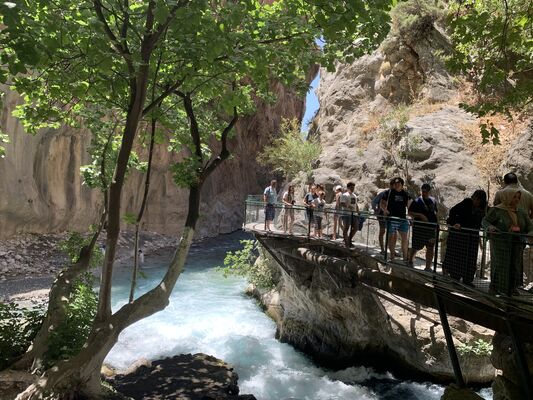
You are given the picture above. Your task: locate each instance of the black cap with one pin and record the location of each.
(426, 187)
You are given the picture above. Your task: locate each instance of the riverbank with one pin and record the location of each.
(29, 263)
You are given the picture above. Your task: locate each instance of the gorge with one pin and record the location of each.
(393, 112)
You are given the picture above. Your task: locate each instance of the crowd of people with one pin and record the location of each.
(508, 224)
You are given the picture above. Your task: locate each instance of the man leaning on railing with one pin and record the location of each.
(270, 197)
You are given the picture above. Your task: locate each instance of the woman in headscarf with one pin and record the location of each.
(464, 220)
(506, 223)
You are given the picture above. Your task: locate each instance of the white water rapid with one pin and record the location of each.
(210, 314)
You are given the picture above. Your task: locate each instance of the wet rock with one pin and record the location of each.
(187, 377)
(453, 392)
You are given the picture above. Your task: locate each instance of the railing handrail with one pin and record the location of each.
(369, 214)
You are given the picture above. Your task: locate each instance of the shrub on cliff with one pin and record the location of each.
(291, 152)
(414, 19)
(250, 262)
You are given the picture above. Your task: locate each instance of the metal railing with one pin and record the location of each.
(493, 262)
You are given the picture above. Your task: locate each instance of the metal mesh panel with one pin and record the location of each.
(498, 263)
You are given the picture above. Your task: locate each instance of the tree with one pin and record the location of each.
(493, 42)
(194, 66)
(290, 153)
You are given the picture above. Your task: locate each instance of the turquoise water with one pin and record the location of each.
(210, 314)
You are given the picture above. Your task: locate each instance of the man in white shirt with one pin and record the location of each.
(270, 197)
(350, 214)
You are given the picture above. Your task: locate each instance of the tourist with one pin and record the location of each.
(505, 223)
(140, 256)
(270, 197)
(318, 212)
(376, 206)
(337, 223)
(464, 222)
(288, 202)
(510, 180)
(394, 205)
(424, 213)
(349, 210)
(308, 201)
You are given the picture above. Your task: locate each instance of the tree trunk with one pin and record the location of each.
(81, 373)
(58, 299)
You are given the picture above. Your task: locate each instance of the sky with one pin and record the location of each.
(311, 104)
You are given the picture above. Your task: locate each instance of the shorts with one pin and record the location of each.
(423, 235)
(350, 220)
(397, 225)
(318, 222)
(270, 212)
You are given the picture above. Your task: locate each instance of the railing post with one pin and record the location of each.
(436, 255)
(483, 255)
(386, 217)
(309, 217)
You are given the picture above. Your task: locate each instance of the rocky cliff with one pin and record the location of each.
(323, 313)
(42, 190)
(396, 112)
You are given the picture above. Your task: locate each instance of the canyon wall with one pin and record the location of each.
(396, 112)
(42, 189)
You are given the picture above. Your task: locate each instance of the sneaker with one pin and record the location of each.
(428, 269)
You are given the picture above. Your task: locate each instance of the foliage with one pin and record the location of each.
(479, 348)
(247, 263)
(72, 245)
(3, 139)
(194, 66)
(414, 18)
(494, 46)
(290, 153)
(18, 327)
(68, 339)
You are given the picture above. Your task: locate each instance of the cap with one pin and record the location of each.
(426, 187)
(338, 187)
(397, 180)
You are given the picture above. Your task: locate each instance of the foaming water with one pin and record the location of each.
(210, 314)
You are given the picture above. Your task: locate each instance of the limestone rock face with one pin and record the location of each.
(395, 113)
(520, 158)
(507, 386)
(42, 189)
(340, 325)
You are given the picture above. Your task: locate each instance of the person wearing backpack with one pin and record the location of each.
(424, 213)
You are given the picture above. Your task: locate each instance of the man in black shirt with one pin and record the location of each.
(394, 204)
(424, 212)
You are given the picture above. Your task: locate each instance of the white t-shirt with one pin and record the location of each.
(318, 204)
(286, 198)
(348, 201)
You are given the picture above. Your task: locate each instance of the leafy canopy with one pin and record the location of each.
(290, 153)
(494, 45)
(72, 59)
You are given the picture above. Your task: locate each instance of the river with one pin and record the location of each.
(211, 314)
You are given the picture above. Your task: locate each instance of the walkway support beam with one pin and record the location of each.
(449, 342)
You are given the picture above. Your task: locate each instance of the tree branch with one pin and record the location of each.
(193, 124)
(224, 152)
(119, 48)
